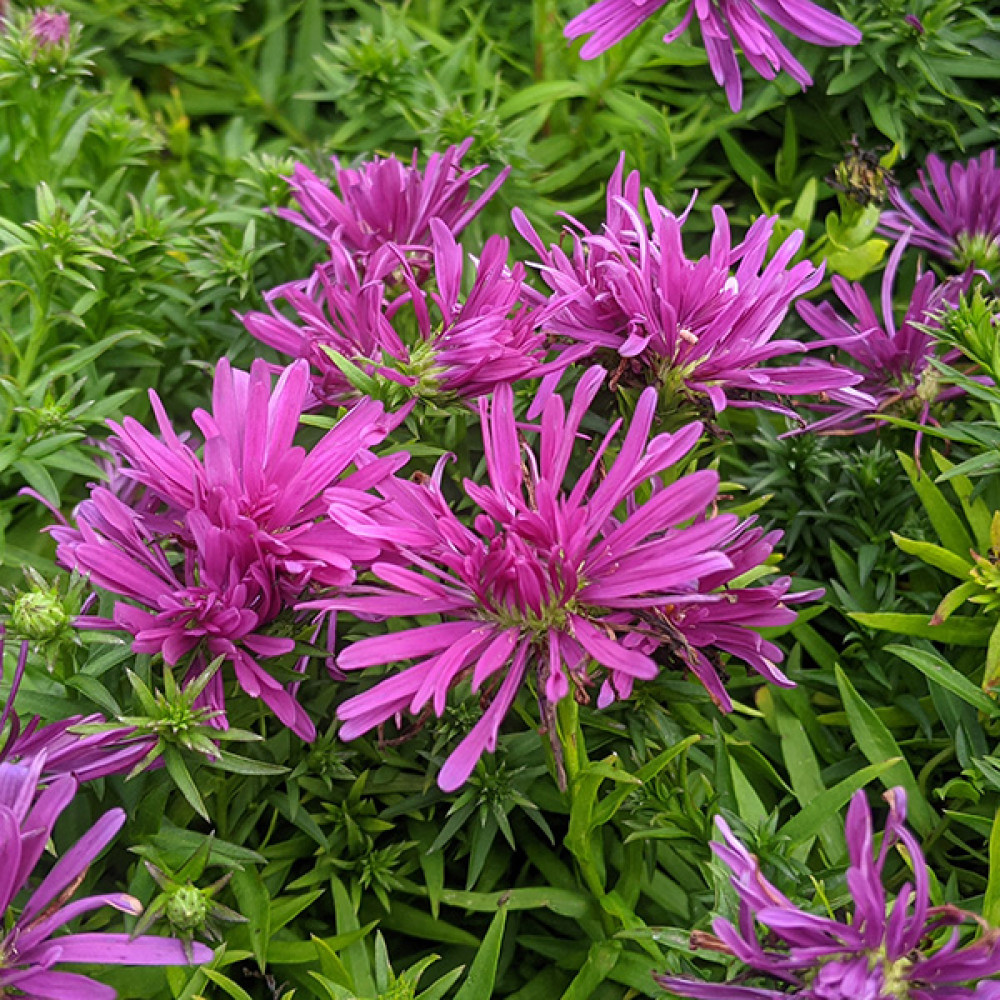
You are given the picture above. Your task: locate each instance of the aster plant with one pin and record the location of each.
(725, 24)
(237, 532)
(560, 588)
(383, 331)
(387, 201)
(894, 360)
(701, 330)
(887, 949)
(957, 211)
(31, 946)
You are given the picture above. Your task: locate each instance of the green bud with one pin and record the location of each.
(401, 989)
(186, 909)
(39, 615)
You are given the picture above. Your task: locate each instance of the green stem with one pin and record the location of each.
(574, 760)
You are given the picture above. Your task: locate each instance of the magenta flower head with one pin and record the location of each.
(961, 211)
(724, 25)
(386, 201)
(64, 751)
(49, 27)
(894, 360)
(700, 328)
(30, 946)
(886, 950)
(239, 532)
(558, 587)
(431, 343)
(267, 497)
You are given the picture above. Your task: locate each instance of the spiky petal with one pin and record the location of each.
(30, 946)
(957, 211)
(725, 24)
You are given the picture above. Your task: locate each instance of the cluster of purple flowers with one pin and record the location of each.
(389, 302)
(221, 548)
(895, 950)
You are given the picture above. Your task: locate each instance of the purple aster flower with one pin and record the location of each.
(49, 27)
(552, 582)
(237, 532)
(724, 25)
(961, 211)
(90, 756)
(696, 328)
(884, 952)
(894, 361)
(431, 343)
(386, 201)
(30, 946)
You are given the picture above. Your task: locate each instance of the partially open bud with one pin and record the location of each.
(49, 27)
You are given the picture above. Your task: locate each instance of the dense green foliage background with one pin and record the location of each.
(137, 179)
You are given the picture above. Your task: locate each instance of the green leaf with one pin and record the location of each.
(878, 745)
(612, 802)
(255, 905)
(938, 670)
(600, 963)
(936, 556)
(566, 902)
(805, 773)
(991, 900)
(483, 971)
(226, 985)
(415, 923)
(181, 776)
(547, 92)
(948, 525)
(978, 513)
(355, 957)
(857, 262)
(808, 823)
(956, 631)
